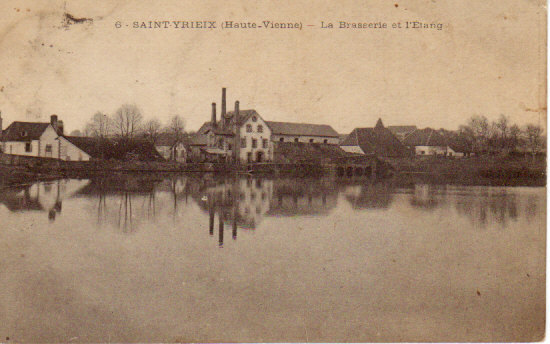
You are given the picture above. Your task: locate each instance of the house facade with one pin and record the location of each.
(303, 132)
(170, 148)
(429, 142)
(43, 140)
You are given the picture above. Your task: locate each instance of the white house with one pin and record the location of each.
(40, 140)
(428, 142)
(303, 132)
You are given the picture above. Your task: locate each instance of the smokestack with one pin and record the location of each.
(53, 122)
(223, 103)
(236, 110)
(213, 120)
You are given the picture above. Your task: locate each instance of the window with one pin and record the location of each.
(229, 146)
(243, 142)
(264, 143)
(260, 128)
(254, 143)
(310, 140)
(254, 119)
(28, 147)
(325, 141)
(296, 139)
(48, 148)
(282, 139)
(249, 128)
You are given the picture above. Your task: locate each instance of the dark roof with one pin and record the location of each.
(165, 139)
(243, 115)
(305, 129)
(378, 140)
(24, 131)
(87, 144)
(342, 137)
(402, 129)
(197, 140)
(424, 137)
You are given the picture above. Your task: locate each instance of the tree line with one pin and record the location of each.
(480, 136)
(127, 123)
(127, 132)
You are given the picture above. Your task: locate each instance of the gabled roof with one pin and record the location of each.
(304, 129)
(87, 144)
(165, 139)
(402, 129)
(425, 137)
(24, 131)
(379, 141)
(243, 115)
(197, 140)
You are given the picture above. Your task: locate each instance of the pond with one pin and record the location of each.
(203, 258)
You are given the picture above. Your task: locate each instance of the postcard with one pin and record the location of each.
(273, 171)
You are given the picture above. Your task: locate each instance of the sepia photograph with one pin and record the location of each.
(179, 171)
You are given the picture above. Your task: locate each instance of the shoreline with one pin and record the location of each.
(489, 171)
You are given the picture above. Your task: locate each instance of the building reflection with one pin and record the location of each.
(242, 203)
(481, 205)
(44, 197)
(127, 201)
(370, 195)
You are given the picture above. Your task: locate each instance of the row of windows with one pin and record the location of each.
(259, 128)
(265, 143)
(28, 148)
(282, 139)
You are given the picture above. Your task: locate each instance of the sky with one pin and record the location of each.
(489, 59)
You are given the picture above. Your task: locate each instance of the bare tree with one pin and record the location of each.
(99, 126)
(502, 127)
(479, 125)
(127, 121)
(152, 129)
(514, 136)
(176, 128)
(533, 136)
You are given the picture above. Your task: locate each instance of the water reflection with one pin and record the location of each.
(234, 203)
(45, 197)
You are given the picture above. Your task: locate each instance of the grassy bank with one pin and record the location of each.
(484, 170)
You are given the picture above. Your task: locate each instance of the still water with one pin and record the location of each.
(201, 258)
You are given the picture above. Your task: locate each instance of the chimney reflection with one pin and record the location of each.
(220, 237)
(212, 215)
(234, 226)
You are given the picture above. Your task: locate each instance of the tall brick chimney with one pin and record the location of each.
(237, 137)
(213, 120)
(53, 122)
(222, 116)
